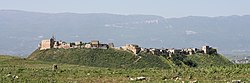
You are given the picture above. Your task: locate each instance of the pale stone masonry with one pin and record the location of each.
(132, 47)
(47, 44)
(172, 51)
(52, 43)
(95, 44)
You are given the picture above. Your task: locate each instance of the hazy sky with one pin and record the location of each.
(166, 8)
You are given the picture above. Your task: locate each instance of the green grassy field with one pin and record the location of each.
(14, 69)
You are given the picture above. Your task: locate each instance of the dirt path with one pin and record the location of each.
(138, 59)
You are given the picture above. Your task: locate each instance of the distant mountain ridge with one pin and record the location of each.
(21, 31)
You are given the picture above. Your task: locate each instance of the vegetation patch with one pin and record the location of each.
(111, 58)
(20, 70)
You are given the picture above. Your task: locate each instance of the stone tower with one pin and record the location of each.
(52, 41)
(205, 49)
(47, 43)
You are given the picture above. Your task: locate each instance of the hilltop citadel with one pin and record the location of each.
(95, 44)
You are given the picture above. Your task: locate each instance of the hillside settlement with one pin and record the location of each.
(95, 44)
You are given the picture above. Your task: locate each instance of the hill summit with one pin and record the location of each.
(95, 44)
(129, 56)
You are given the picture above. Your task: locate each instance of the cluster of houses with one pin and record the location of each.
(52, 43)
(185, 51)
(241, 61)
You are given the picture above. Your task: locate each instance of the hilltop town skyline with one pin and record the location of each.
(52, 43)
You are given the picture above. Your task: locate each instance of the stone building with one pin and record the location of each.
(111, 45)
(145, 50)
(205, 49)
(79, 44)
(52, 43)
(174, 51)
(87, 46)
(95, 44)
(155, 51)
(61, 44)
(103, 46)
(47, 43)
(188, 51)
(132, 47)
(208, 50)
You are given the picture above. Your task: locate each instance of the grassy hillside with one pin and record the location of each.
(99, 58)
(204, 60)
(21, 70)
(122, 59)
